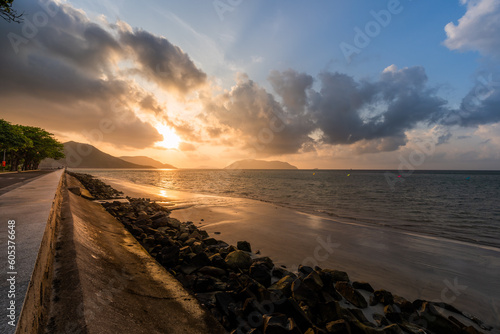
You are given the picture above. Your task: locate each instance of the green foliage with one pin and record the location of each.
(8, 13)
(27, 145)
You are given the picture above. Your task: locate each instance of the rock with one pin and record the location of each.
(261, 273)
(218, 261)
(291, 308)
(381, 296)
(265, 261)
(404, 305)
(210, 242)
(431, 319)
(393, 329)
(327, 312)
(238, 260)
(380, 320)
(284, 285)
(334, 276)
(200, 260)
(169, 256)
(392, 315)
(225, 302)
(244, 246)
(314, 281)
(338, 327)
(350, 294)
(160, 221)
(359, 315)
(174, 223)
(279, 324)
(362, 286)
(305, 270)
(216, 232)
(302, 293)
(212, 271)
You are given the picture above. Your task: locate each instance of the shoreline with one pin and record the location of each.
(409, 265)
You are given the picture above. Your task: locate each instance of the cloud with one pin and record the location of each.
(480, 106)
(258, 120)
(186, 147)
(66, 72)
(477, 30)
(161, 61)
(348, 111)
(372, 114)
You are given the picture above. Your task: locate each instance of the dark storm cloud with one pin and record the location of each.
(348, 111)
(59, 68)
(161, 61)
(480, 106)
(292, 88)
(374, 115)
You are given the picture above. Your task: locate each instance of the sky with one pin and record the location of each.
(362, 84)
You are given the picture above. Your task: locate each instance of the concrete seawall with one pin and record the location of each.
(92, 276)
(37, 299)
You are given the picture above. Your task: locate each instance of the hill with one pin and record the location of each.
(142, 160)
(259, 164)
(79, 155)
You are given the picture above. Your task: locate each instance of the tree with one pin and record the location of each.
(8, 13)
(12, 141)
(44, 146)
(27, 145)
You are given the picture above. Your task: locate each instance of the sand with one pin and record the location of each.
(407, 264)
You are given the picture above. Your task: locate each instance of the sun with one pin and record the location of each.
(170, 138)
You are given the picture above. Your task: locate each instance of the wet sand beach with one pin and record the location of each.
(407, 264)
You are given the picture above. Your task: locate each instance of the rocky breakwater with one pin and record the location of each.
(249, 294)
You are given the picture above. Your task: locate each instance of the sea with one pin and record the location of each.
(457, 205)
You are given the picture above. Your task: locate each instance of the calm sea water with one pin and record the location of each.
(451, 204)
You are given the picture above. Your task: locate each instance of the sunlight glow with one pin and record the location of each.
(170, 138)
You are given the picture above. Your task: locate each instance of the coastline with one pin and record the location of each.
(408, 264)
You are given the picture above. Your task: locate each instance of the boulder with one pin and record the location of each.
(279, 324)
(338, 327)
(362, 286)
(284, 285)
(244, 246)
(169, 256)
(261, 273)
(238, 260)
(334, 276)
(350, 294)
(212, 271)
(381, 296)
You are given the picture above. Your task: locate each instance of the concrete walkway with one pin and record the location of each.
(105, 282)
(29, 206)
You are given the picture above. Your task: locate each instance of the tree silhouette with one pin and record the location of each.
(8, 13)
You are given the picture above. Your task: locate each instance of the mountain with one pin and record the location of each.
(259, 164)
(142, 160)
(79, 155)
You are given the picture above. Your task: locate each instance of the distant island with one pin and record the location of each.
(80, 155)
(259, 164)
(143, 160)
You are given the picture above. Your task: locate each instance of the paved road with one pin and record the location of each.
(29, 206)
(8, 181)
